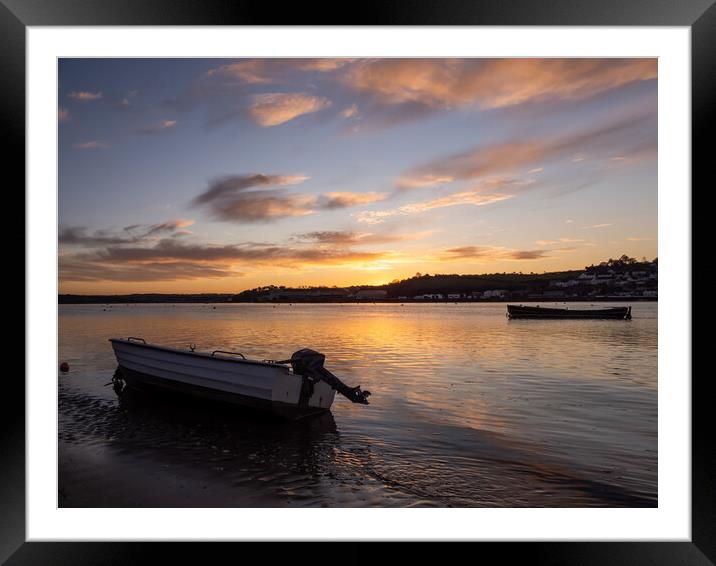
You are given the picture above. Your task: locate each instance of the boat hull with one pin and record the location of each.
(615, 313)
(249, 383)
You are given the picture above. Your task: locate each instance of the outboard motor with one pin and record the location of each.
(309, 363)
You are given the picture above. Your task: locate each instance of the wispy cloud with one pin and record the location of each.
(156, 128)
(510, 157)
(92, 144)
(127, 101)
(255, 198)
(349, 237)
(63, 114)
(346, 199)
(480, 195)
(492, 83)
(73, 269)
(84, 96)
(466, 197)
(243, 198)
(350, 111)
(596, 226)
(133, 234)
(491, 253)
(275, 108)
(169, 259)
(274, 71)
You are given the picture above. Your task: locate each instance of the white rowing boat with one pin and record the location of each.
(292, 388)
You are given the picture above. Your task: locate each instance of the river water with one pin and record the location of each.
(469, 409)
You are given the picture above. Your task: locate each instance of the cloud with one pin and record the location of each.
(512, 156)
(253, 198)
(350, 112)
(242, 198)
(491, 83)
(596, 226)
(391, 91)
(169, 259)
(491, 253)
(231, 185)
(136, 233)
(347, 237)
(274, 108)
(274, 71)
(170, 226)
(345, 199)
(559, 240)
(71, 269)
(79, 236)
(156, 128)
(84, 96)
(476, 196)
(240, 253)
(261, 206)
(63, 114)
(92, 144)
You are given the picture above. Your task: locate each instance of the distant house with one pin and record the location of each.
(371, 294)
(564, 284)
(454, 296)
(305, 294)
(476, 294)
(428, 296)
(494, 294)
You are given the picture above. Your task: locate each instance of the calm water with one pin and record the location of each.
(468, 409)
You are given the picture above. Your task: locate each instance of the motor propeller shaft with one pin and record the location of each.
(309, 363)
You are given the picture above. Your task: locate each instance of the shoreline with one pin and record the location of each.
(125, 300)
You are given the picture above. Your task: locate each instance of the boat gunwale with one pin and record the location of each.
(199, 354)
(538, 308)
(539, 312)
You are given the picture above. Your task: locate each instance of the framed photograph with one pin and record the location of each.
(393, 281)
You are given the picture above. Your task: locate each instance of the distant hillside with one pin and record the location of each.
(421, 284)
(612, 279)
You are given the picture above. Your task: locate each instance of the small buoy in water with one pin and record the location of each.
(64, 367)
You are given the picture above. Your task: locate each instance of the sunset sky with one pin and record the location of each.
(218, 175)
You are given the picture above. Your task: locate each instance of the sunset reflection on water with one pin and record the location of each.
(468, 408)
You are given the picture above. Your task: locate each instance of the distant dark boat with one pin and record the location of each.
(519, 311)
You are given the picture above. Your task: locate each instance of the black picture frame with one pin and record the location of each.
(16, 15)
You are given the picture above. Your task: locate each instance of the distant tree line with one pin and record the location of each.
(418, 284)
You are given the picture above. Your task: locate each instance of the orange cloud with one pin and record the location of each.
(350, 112)
(84, 96)
(250, 198)
(272, 71)
(63, 114)
(170, 259)
(344, 199)
(492, 83)
(272, 109)
(157, 128)
(491, 253)
(93, 144)
(475, 197)
(510, 157)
